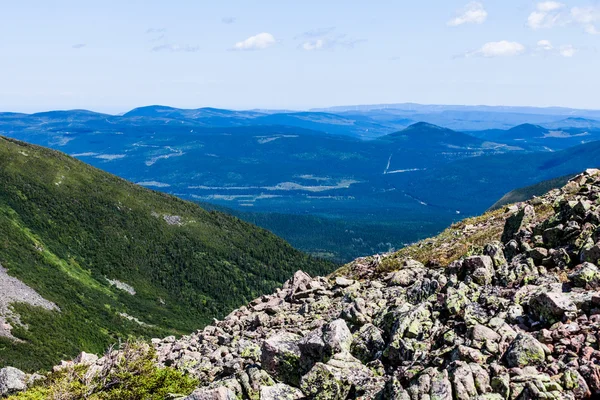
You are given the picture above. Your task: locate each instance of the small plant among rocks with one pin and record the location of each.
(128, 373)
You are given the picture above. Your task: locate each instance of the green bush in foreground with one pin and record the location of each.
(130, 373)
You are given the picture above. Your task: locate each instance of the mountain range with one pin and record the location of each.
(361, 184)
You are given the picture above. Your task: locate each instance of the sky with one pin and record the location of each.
(112, 56)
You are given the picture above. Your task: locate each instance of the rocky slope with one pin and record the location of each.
(503, 306)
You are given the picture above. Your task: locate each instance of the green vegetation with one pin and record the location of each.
(66, 227)
(129, 374)
(526, 193)
(340, 238)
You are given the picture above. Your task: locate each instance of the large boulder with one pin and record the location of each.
(12, 381)
(551, 307)
(517, 222)
(280, 357)
(480, 269)
(525, 350)
(341, 375)
(218, 393)
(585, 275)
(280, 391)
(322, 343)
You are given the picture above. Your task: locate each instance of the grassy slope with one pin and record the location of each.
(526, 193)
(65, 226)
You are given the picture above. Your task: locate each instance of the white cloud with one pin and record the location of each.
(587, 17)
(175, 48)
(547, 15)
(326, 39)
(549, 6)
(313, 45)
(472, 13)
(545, 45)
(503, 48)
(567, 50)
(256, 42)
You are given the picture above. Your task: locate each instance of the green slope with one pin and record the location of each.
(65, 227)
(526, 193)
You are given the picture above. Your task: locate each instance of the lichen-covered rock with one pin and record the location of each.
(220, 393)
(368, 343)
(525, 350)
(552, 307)
(280, 391)
(281, 357)
(585, 275)
(341, 375)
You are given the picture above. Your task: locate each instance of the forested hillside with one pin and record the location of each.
(67, 230)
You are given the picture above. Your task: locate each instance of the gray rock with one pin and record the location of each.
(280, 357)
(591, 254)
(219, 393)
(368, 343)
(585, 275)
(517, 222)
(552, 306)
(280, 391)
(480, 269)
(343, 282)
(525, 350)
(12, 381)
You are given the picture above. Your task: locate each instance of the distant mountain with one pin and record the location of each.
(433, 108)
(425, 134)
(570, 123)
(110, 259)
(540, 138)
(525, 132)
(473, 184)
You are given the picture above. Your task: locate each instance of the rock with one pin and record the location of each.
(280, 391)
(220, 393)
(517, 222)
(281, 357)
(591, 254)
(495, 251)
(480, 269)
(552, 306)
(299, 283)
(585, 275)
(343, 282)
(572, 380)
(368, 343)
(327, 340)
(12, 381)
(253, 380)
(337, 337)
(524, 351)
(85, 359)
(341, 375)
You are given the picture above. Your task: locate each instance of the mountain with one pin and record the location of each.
(308, 184)
(106, 259)
(468, 185)
(541, 138)
(500, 306)
(574, 122)
(423, 134)
(527, 193)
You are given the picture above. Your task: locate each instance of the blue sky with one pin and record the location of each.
(112, 56)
